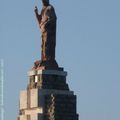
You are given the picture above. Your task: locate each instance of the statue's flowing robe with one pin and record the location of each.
(48, 30)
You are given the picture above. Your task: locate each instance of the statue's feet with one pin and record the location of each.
(47, 64)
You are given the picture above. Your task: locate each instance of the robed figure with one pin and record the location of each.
(47, 23)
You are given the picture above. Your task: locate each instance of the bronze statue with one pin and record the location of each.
(47, 23)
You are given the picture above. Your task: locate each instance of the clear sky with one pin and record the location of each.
(88, 47)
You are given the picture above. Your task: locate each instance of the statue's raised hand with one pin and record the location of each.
(36, 9)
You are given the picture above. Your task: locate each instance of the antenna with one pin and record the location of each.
(1, 89)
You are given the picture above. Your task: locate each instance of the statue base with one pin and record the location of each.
(47, 97)
(46, 64)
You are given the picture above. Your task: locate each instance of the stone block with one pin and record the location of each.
(23, 99)
(33, 111)
(33, 98)
(34, 117)
(47, 72)
(22, 117)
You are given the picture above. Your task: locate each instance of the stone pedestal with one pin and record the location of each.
(47, 97)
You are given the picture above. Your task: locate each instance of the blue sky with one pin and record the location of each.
(88, 47)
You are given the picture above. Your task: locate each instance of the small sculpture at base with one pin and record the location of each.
(47, 23)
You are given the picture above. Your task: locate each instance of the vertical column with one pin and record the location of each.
(1, 89)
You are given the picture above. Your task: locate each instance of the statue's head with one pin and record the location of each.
(45, 2)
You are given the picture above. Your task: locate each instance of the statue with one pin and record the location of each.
(47, 23)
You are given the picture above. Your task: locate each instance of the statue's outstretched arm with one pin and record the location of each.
(37, 15)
